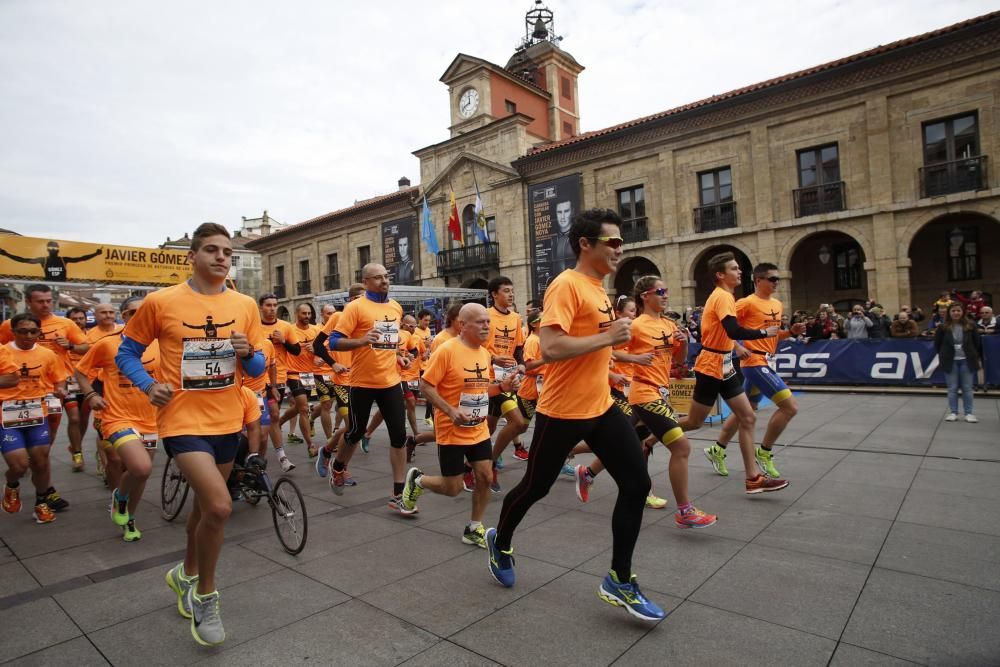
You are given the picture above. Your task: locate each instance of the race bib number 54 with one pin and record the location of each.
(207, 363)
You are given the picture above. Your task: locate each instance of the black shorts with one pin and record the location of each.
(527, 407)
(660, 418)
(296, 389)
(622, 402)
(222, 447)
(502, 403)
(408, 391)
(708, 388)
(281, 393)
(341, 394)
(452, 458)
(324, 390)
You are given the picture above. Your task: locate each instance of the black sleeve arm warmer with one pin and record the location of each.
(736, 332)
(519, 354)
(294, 348)
(320, 349)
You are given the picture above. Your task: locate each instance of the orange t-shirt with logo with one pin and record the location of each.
(532, 352)
(197, 326)
(577, 388)
(373, 366)
(250, 404)
(127, 405)
(341, 357)
(424, 334)
(259, 384)
(656, 335)
(413, 345)
(53, 327)
(719, 306)
(39, 370)
(623, 368)
(754, 312)
(461, 375)
(281, 355)
(305, 361)
(441, 339)
(506, 333)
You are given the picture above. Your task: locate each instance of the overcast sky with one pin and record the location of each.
(128, 121)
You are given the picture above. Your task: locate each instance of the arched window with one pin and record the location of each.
(471, 230)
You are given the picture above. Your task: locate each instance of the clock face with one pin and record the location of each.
(468, 102)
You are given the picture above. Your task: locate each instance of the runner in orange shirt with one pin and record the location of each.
(323, 408)
(24, 429)
(757, 311)
(302, 370)
(128, 422)
(458, 381)
(61, 337)
(577, 333)
(714, 372)
(286, 344)
(369, 327)
(423, 330)
(105, 315)
(209, 337)
(506, 347)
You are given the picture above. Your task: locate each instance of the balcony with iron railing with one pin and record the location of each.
(476, 256)
(714, 217)
(956, 176)
(303, 287)
(816, 199)
(331, 282)
(279, 291)
(635, 231)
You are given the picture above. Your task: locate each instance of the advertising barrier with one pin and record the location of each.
(893, 362)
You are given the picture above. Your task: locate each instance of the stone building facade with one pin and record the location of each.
(867, 176)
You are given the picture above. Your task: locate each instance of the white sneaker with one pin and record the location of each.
(286, 465)
(971, 419)
(952, 417)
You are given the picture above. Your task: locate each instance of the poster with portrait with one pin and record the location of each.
(551, 207)
(398, 251)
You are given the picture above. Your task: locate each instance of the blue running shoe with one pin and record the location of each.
(629, 596)
(501, 562)
(365, 443)
(322, 463)
(568, 470)
(499, 463)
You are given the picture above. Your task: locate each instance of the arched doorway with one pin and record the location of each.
(952, 252)
(705, 281)
(630, 270)
(827, 267)
(283, 313)
(477, 283)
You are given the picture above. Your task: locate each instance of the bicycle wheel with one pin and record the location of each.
(288, 510)
(173, 490)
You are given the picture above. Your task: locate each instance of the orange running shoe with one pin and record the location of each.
(11, 500)
(43, 514)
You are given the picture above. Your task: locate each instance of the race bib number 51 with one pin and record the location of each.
(207, 363)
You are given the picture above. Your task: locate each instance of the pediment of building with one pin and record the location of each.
(453, 176)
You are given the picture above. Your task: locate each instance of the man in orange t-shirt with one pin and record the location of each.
(459, 382)
(302, 371)
(506, 347)
(127, 422)
(209, 337)
(714, 372)
(369, 328)
(756, 311)
(62, 337)
(423, 330)
(286, 345)
(577, 333)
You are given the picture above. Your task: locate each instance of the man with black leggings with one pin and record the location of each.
(577, 332)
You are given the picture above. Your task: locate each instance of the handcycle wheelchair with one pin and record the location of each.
(251, 484)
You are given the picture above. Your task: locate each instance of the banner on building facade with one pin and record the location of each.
(882, 362)
(551, 207)
(50, 260)
(397, 251)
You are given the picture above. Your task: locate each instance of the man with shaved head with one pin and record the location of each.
(459, 382)
(369, 327)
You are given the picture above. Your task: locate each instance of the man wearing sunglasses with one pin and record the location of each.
(715, 374)
(759, 311)
(577, 332)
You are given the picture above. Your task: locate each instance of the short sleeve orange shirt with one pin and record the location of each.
(413, 345)
(126, 404)
(341, 357)
(250, 404)
(178, 316)
(656, 335)
(532, 352)
(754, 312)
(305, 360)
(259, 384)
(506, 333)
(577, 388)
(39, 370)
(53, 327)
(719, 306)
(442, 338)
(461, 375)
(372, 366)
(281, 355)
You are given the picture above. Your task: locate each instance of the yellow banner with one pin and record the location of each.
(681, 395)
(49, 260)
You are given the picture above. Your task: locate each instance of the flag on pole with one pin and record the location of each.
(481, 218)
(427, 234)
(454, 223)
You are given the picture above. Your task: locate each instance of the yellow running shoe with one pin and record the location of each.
(655, 503)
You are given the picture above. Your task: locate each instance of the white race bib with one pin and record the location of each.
(727, 367)
(501, 373)
(477, 405)
(22, 413)
(664, 393)
(207, 363)
(770, 362)
(72, 386)
(149, 440)
(307, 380)
(325, 378)
(53, 405)
(539, 380)
(388, 335)
(413, 385)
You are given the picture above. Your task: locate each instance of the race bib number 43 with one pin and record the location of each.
(23, 413)
(207, 363)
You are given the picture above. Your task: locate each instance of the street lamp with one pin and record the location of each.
(824, 254)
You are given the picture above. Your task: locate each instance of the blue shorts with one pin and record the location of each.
(759, 381)
(222, 447)
(22, 438)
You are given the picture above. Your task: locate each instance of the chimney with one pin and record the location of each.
(404, 183)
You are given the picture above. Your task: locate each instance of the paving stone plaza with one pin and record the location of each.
(884, 550)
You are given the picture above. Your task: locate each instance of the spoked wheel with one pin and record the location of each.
(173, 490)
(288, 510)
